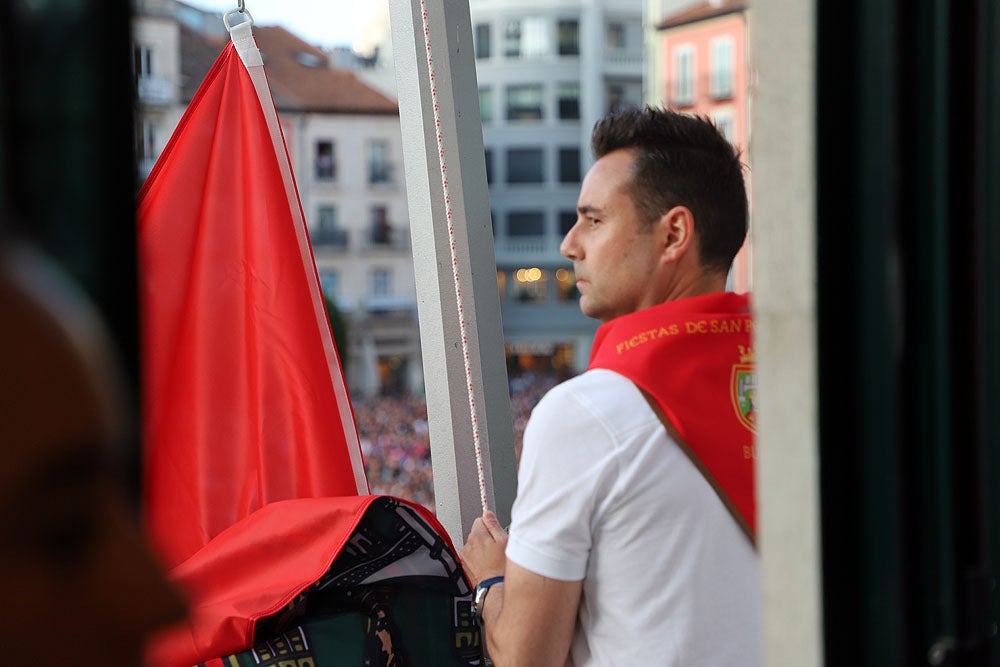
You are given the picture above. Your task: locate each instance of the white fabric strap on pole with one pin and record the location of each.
(460, 328)
(242, 37)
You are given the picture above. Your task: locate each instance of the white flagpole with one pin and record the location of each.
(453, 241)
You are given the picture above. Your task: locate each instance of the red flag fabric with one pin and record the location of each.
(695, 357)
(235, 580)
(254, 569)
(244, 398)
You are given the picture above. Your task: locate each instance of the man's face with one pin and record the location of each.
(614, 252)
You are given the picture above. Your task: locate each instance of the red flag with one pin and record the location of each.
(244, 399)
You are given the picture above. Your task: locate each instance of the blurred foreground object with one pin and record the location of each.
(72, 562)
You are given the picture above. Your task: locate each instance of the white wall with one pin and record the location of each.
(783, 151)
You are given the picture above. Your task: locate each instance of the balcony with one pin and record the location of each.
(155, 91)
(388, 237)
(386, 303)
(532, 250)
(627, 63)
(330, 239)
(145, 166)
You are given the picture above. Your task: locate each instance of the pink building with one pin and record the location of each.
(705, 65)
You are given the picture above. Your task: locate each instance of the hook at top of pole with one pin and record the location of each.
(241, 9)
(241, 6)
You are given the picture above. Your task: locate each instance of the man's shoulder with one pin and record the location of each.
(595, 380)
(597, 393)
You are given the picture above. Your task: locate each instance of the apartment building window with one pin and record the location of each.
(381, 282)
(378, 161)
(526, 37)
(145, 140)
(325, 160)
(616, 97)
(327, 232)
(566, 221)
(615, 36)
(525, 165)
(512, 38)
(142, 62)
(524, 102)
(482, 41)
(329, 280)
(724, 121)
(145, 147)
(526, 223)
(486, 105)
(569, 165)
(327, 222)
(568, 100)
(381, 230)
(722, 68)
(683, 75)
(488, 155)
(327, 218)
(569, 37)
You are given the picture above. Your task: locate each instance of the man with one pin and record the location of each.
(631, 540)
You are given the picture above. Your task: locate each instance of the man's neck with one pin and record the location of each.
(697, 285)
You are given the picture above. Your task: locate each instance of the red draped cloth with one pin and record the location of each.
(244, 401)
(694, 357)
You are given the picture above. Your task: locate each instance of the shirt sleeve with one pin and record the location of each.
(565, 480)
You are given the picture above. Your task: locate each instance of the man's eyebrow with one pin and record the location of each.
(588, 209)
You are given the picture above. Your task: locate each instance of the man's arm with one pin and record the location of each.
(528, 619)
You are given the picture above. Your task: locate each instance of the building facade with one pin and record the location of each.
(156, 68)
(547, 71)
(704, 68)
(343, 139)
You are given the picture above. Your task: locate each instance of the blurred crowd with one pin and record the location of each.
(396, 443)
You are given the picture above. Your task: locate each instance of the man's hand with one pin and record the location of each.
(483, 554)
(529, 619)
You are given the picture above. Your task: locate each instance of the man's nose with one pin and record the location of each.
(569, 247)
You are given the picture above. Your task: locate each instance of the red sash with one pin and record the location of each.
(694, 357)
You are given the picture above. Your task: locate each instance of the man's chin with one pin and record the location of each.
(589, 309)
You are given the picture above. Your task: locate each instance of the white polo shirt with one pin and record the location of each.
(606, 496)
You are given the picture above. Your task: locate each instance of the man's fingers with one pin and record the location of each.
(492, 524)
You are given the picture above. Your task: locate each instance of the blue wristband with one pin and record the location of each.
(480, 595)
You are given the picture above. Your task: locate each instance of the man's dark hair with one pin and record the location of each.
(682, 160)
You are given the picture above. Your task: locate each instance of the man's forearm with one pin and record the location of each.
(491, 615)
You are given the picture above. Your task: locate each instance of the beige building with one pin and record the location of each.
(344, 142)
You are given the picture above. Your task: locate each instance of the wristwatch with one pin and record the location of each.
(480, 596)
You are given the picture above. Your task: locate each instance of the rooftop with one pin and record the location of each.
(299, 74)
(700, 11)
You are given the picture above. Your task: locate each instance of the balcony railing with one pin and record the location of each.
(330, 239)
(395, 237)
(155, 90)
(631, 60)
(390, 302)
(528, 250)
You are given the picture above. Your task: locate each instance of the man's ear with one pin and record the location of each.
(677, 229)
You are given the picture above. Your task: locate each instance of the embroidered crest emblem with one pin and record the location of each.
(743, 388)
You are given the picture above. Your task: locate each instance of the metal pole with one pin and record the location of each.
(456, 485)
